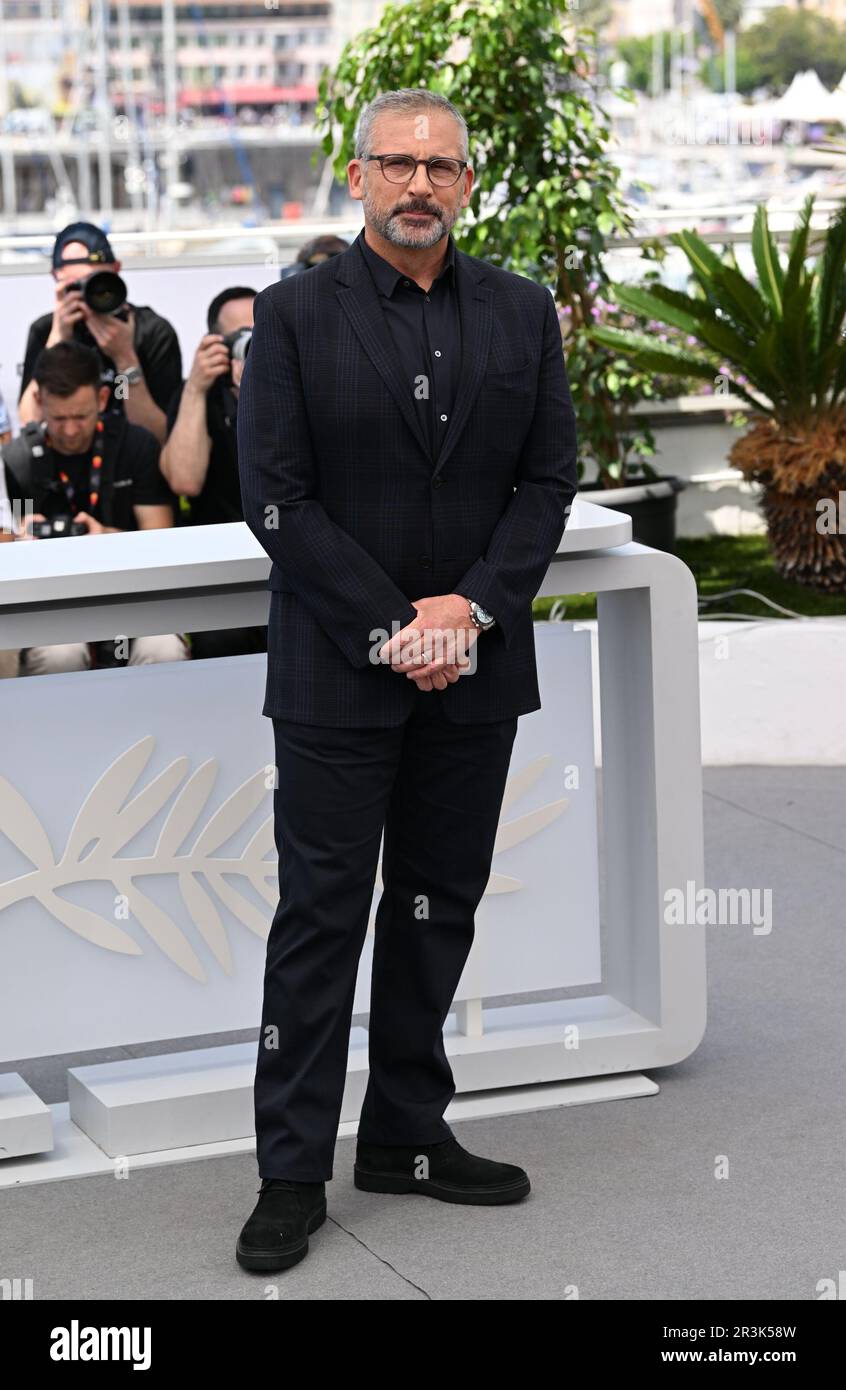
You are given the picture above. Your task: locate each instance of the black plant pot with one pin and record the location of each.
(650, 504)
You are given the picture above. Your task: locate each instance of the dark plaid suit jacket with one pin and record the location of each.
(358, 517)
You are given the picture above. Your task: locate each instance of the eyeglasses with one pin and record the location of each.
(401, 168)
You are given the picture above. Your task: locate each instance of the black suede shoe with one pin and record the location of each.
(450, 1173)
(276, 1234)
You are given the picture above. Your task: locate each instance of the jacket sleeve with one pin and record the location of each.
(507, 577)
(337, 580)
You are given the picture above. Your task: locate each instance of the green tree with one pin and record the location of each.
(730, 12)
(790, 41)
(638, 54)
(539, 142)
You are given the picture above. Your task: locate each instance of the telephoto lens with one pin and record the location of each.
(238, 344)
(104, 292)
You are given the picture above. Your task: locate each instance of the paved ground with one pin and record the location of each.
(624, 1203)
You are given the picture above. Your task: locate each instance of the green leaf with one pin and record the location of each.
(770, 274)
(692, 316)
(643, 351)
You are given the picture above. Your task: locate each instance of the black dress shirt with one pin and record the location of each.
(425, 326)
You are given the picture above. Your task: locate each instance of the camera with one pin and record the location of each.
(58, 526)
(297, 267)
(238, 344)
(104, 292)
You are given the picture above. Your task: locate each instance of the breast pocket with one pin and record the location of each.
(495, 373)
(506, 403)
(512, 388)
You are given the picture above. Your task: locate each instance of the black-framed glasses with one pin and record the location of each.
(401, 168)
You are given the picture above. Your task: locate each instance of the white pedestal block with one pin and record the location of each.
(26, 1125)
(182, 1099)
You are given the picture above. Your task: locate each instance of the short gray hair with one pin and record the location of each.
(406, 99)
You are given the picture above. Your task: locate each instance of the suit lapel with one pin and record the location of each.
(359, 299)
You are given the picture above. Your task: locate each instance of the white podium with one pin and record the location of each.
(116, 931)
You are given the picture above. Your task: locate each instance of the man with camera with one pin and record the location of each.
(85, 470)
(200, 458)
(138, 350)
(314, 252)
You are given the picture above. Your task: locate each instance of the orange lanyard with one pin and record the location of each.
(94, 478)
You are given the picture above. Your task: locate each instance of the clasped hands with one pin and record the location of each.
(443, 622)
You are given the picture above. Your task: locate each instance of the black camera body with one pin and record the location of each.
(238, 344)
(104, 292)
(58, 526)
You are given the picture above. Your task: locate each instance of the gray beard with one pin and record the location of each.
(389, 226)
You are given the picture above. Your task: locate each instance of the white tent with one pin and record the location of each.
(807, 99)
(838, 98)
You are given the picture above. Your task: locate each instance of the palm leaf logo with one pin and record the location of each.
(113, 813)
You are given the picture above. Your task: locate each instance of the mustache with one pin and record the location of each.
(416, 208)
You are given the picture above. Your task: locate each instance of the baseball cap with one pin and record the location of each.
(99, 247)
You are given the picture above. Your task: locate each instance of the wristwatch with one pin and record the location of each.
(133, 375)
(480, 616)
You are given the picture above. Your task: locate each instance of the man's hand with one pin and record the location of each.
(432, 650)
(94, 526)
(448, 675)
(211, 360)
(115, 337)
(68, 312)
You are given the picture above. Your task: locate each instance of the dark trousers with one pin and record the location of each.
(436, 787)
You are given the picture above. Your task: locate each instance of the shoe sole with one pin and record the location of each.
(269, 1260)
(369, 1181)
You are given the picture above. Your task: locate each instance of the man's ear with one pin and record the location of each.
(103, 398)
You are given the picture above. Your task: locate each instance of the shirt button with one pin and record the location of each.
(444, 417)
(406, 282)
(437, 352)
(427, 299)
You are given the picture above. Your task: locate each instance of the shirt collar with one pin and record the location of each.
(386, 276)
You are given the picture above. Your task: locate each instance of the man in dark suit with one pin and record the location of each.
(407, 454)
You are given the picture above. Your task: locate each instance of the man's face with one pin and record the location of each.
(389, 207)
(235, 314)
(72, 420)
(65, 274)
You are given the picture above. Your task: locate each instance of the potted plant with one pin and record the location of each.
(615, 444)
(779, 341)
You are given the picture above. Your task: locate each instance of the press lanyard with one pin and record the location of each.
(94, 476)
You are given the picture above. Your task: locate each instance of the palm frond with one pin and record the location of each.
(767, 263)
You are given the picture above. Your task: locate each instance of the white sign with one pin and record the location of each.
(138, 868)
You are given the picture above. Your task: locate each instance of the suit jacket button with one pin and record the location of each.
(436, 482)
(425, 562)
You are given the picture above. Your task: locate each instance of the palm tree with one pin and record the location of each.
(781, 343)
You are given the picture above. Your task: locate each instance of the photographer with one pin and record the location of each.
(85, 471)
(138, 351)
(200, 458)
(314, 252)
